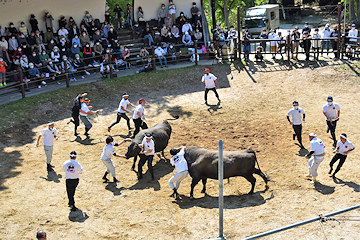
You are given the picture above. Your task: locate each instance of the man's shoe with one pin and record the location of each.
(115, 180)
(109, 129)
(330, 170)
(86, 134)
(1, 85)
(139, 177)
(131, 128)
(327, 130)
(73, 208)
(5, 84)
(75, 134)
(294, 135)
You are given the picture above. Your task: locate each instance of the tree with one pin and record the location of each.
(352, 16)
(226, 8)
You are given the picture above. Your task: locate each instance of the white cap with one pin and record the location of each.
(50, 123)
(73, 155)
(312, 135)
(343, 136)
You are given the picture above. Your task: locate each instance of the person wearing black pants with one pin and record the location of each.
(343, 147)
(210, 84)
(122, 111)
(72, 168)
(307, 45)
(297, 115)
(332, 113)
(139, 116)
(147, 154)
(76, 110)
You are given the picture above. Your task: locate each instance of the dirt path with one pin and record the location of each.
(251, 115)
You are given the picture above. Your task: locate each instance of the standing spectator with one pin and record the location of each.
(48, 19)
(33, 23)
(295, 37)
(48, 35)
(210, 84)
(172, 11)
(41, 235)
(129, 15)
(186, 39)
(161, 15)
(87, 20)
(198, 20)
(147, 154)
(178, 160)
(72, 168)
(343, 147)
(335, 34)
(332, 113)
(141, 19)
(307, 44)
(316, 43)
(23, 29)
(194, 10)
(122, 111)
(62, 22)
(160, 54)
(306, 28)
(181, 20)
(3, 66)
(317, 150)
(85, 111)
(263, 35)
(353, 34)
(246, 43)
(139, 117)
(71, 22)
(187, 28)
(49, 133)
(297, 115)
(172, 53)
(118, 16)
(107, 12)
(281, 44)
(325, 42)
(137, 31)
(168, 21)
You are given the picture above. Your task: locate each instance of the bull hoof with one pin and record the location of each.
(132, 168)
(192, 198)
(251, 193)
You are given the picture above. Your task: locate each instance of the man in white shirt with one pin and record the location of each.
(332, 113)
(178, 160)
(273, 44)
(353, 34)
(316, 156)
(146, 154)
(63, 32)
(297, 115)
(160, 54)
(106, 158)
(72, 169)
(326, 43)
(85, 111)
(139, 117)
(186, 28)
(343, 147)
(210, 84)
(49, 134)
(122, 111)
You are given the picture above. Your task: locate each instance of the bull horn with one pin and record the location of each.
(127, 140)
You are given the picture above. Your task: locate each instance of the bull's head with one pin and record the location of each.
(133, 150)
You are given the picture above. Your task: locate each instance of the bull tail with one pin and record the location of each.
(259, 172)
(174, 117)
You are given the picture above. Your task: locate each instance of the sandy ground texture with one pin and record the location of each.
(252, 115)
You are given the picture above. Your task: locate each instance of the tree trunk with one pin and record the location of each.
(226, 13)
(352, 16)
(358, 11)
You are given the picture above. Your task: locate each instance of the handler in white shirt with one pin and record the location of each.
(331, 111)
(343, 147)
(316, 155)
(178, 160)
(139, 117)
(85, 111)
(297, 115)
(146, 154)
(122, 111)
(210, 84)
(72, 168)
(49, 134)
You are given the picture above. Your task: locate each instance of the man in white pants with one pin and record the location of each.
(178, 160)
(317, 150)
(49, 134)
(106, 157)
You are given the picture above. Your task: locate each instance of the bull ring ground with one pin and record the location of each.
(252, 114)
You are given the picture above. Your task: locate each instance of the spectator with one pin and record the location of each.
(98, 50)
(92, 29)
(187, 28)
(212, 50)
(75, 49)
(118, 16)
(3, 66)
(163, 33)
(48, 21)
(39, 41)
(222, 39)
(22, 40)
(307, 44)
(63, 43)
(74, 30)
(83, 29)
(194, 10)
(198, 21)
(112, 35)
(105, 28)
(137, 31)
(62, 22)
(172, 11)
(143, 53)
(87, 20)
(148, 36)
(12, 30)
(63, 32)
(24, 81)
(148, 66)
(263, 35)
(295, 37)
(172, 53)
(273, 49)
(160, 54)
(55, 54)
(325, 42)
(353, 34)
(84, 38)
(259, 53)
(129, 15)
(246, 44)
(125, 53)
(32, 40)
(18, 53)
(138, 60)
(107, 13)
(181, 20)
(2, 32)
(44, 58)
(141, 19)
(76, 40)
(33, 23)
(198, 35)
(168, 21)
(316, 44)
(335, 34)
(157, 38)
(66, 63)
(71, 23)
(48, 35)
(24, 62)
(105, 68)
(13, 45)
(97, 36)
(52, 70)
(87, 51)
(34, 73)
(34, 58)
(26, 49)
(116, 48)
(186, 39)
(231, 37)
(23, 29)
(79, 66)
(51, 45)
(175, 33)
(306, 29)
(4, 43)
(161, 15)
(281, 44)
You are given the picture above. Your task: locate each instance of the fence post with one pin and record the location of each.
(339, 30)
(288, 46)
(21, 82)
(235, 49)
(239, 31)
(196, 54)
(221, 197)
(343, 44)
(66, 74)
(110, 62)
(153, 57)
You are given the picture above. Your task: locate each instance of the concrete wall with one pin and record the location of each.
(151, 7)
(17, 11)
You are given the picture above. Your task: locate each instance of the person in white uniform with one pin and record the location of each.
(343, 147)
(316, 156)
(106, 158)
(297, 115)
(50, 133)
(85, 111)
(210, 84)
(139, 117)
(72, 169)
(146, 154)
(178, 160)
(122, 111)
(331, 111)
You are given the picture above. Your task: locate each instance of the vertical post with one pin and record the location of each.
(21, 82)
(288, 46)
(213, 14)
(66, 74)
(339, 31)
(196, 54)
(153, 57)
(221, 197)
(344, 15)
(239, 31)
(110, 65)
(235, 49)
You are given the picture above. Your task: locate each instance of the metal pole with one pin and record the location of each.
(301, 223)
(239, 29)
(339, 31)
(235, 51)
(221, 197)
(21, 82)
(153, 57)
(66, 74)
(344, 15)
(110, 62)
(196, 54)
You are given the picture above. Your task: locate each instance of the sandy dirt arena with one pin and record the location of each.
(252, 115)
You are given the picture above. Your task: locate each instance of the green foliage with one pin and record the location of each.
(122, 4)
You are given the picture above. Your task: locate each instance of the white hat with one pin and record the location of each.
(343, 135)
(50, 123)
(312, 135)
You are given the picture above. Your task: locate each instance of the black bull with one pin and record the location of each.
(161, 133)
(203, 164)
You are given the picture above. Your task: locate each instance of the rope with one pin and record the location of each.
(284, 166)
